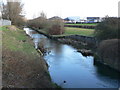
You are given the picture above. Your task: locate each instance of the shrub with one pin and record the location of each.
(108, 47)
(40, 22)
(56, 27)
(108, 51)
(107, 29)
(53, 26)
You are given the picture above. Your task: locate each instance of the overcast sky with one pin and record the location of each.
(66, 8)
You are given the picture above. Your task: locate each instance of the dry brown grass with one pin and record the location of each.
(108, 51)
(20, 70)
(56, 27)
(22, 66)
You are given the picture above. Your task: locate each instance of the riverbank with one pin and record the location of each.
(77, 41)
(22, 66)
(108, 52)
(83, 44)
(61, 58)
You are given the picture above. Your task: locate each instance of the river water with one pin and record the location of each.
(70, 69)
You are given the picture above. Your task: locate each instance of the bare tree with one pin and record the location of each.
(13, 11)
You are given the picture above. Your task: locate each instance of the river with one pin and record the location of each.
(70, 69)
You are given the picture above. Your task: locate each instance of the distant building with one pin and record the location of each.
(82, 19)
(93, 19)
(72, 19)
(68, 20)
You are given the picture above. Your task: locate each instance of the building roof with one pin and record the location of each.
(93, 17)
(76, 18)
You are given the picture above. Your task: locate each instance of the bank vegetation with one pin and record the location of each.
(107, 34)
(53, 26)
(22, 65)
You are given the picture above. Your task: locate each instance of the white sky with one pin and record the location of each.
(66, 8)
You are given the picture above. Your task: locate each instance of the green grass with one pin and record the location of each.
(21, 60)
(87, 24)
(78, 31)
(13, 40)
(2, 28)
(73, 31)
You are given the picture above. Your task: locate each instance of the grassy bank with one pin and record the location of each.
(73, 31)
(78, 31)
(22, 66)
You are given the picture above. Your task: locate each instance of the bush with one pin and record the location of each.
(107, 29)
(53, 26)
(108, 48)
(41, 22)
(56, 27)
(108, 51)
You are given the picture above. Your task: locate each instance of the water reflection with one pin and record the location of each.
(37, 38)
(110, 75)
(66, 64)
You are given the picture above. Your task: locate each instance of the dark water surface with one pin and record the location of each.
(69, 66)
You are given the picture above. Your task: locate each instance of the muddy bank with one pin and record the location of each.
(22, 65)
